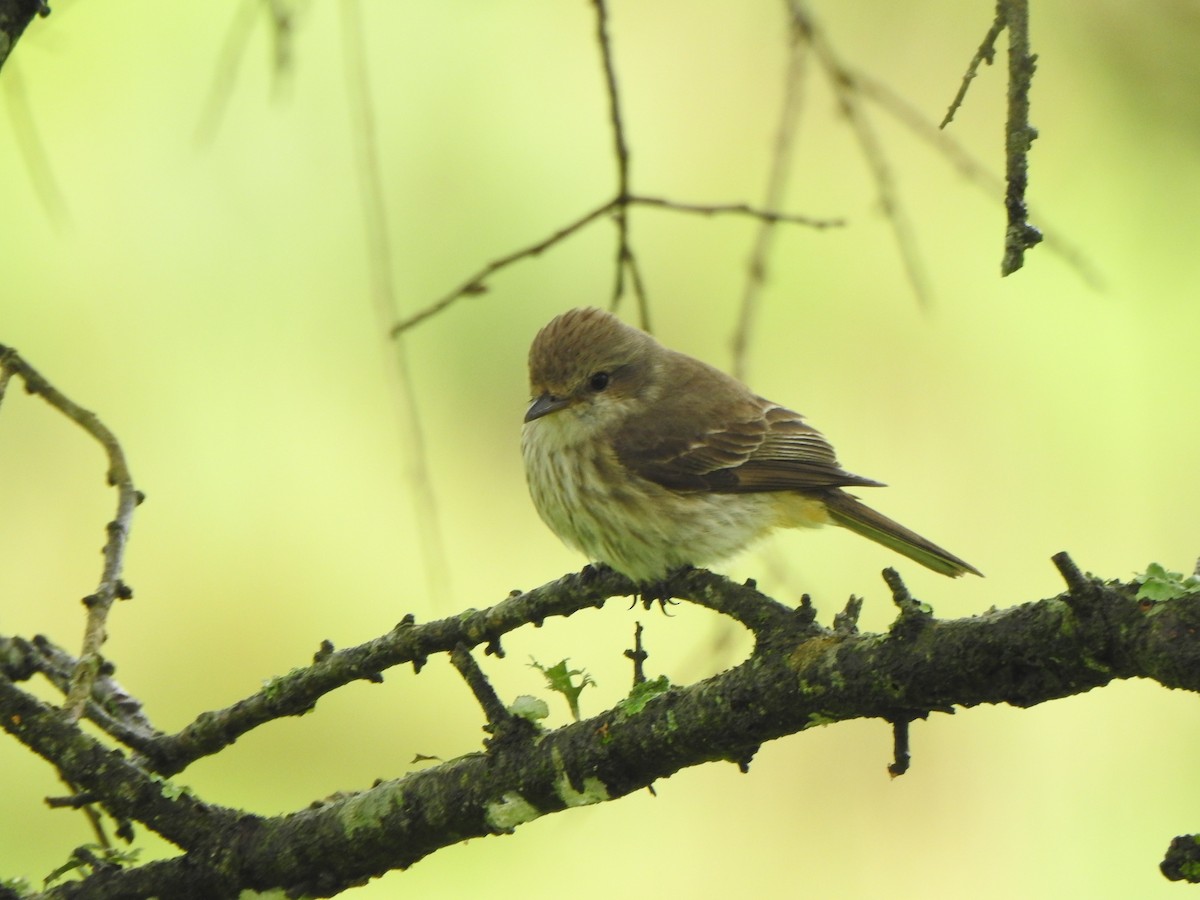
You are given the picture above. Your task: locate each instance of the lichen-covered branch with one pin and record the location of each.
(800, 674)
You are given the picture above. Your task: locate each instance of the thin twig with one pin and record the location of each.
(282, 19)
(33, 150)
(972, 169)
(639, 290)
(383, 293)
(785, 132)
(477, 283)
(1020, 235)
(111, 587)
(229, 60)
(625, 255)
(489, 700)
(845, 88)
(85, 803)
(296, 692)
(985, 54)
(741, 209)
(283, 40)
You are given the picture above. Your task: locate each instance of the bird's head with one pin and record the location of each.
(588, 368)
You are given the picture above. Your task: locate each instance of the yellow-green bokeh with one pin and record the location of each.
(210, 300)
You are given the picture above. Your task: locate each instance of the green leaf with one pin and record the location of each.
(643, 693)
(560, 679)
(1160, 584)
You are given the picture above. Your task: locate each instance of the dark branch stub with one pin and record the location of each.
(1182, 861)
(488, 699)
(846, 622)
(914, 615)
(901, 756)
(638, 655)
(503, 725)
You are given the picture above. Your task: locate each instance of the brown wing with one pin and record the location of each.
(715, 436)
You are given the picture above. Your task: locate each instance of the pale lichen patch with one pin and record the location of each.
(510, 811)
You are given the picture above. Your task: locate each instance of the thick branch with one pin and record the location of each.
(297, 692)
(799, 675)
(120, 785)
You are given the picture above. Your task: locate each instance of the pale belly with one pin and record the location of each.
(638, 527)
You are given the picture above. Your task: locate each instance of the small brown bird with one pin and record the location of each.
(648, 460)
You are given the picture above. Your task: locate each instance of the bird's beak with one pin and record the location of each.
(544, 405)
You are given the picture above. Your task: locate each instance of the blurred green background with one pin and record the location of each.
(209, 298)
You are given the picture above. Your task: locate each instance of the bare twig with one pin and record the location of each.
(490, 702)
(627, 266)
(477, 283)
(971, 169)
(298, 691)
(739, 209)
(845, 87)
(85, 803)
(33, 150)
(985, 54)
(383, 293)
(229, 60)
(625, 255)
(111, 587)
(756, 269)
(1020, 235)
(281, 16)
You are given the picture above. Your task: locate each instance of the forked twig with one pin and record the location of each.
(985, 54)
(111, 586)
(789, 121)
(844, 82)
(476, 284)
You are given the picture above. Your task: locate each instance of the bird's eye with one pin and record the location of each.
(599, 381)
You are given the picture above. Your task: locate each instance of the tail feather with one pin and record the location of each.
(848, 512)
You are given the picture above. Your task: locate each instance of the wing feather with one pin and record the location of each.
(723, 439)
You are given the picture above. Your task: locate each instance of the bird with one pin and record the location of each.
(650, 461)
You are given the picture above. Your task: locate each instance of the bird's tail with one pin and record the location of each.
(848, 512)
